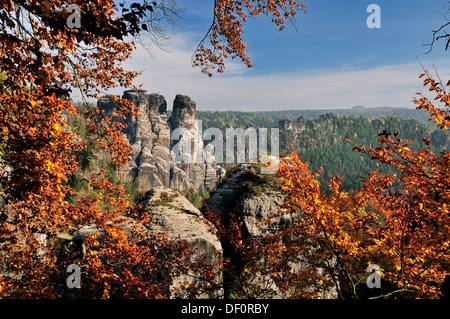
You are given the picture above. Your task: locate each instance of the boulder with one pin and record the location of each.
(233, 196)
(173, 214)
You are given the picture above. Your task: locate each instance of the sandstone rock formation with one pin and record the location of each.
(252, 206)
(174, 217)
(173, 214)
(287, 124)
(150, 138)
(183, 113)
(253, 200)
(198, 172)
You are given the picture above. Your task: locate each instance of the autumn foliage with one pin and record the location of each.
(42, 61)
(399, 222)
(225, 33)
(323, 246)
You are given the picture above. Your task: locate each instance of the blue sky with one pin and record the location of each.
(333, 61)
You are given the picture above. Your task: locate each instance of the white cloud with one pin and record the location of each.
(171, 73)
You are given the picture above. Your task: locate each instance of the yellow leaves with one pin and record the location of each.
(54, 169)
(56, 129)
(105, 293)
(51, 167)
(405, 149)
(114, 233)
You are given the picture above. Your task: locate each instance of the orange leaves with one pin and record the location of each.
(39, 150)
(415, 230)
(440, 116)
(323, 216)
(405, 148)
(400, 228)
(225, 33)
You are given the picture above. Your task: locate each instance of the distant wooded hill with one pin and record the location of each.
(321, 142)
(373, 112)
(272, 117)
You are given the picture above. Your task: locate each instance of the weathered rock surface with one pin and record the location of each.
(183, 113)
(149, 136)
(253, 207)
(173, 214)
(253, 200)
(198, 172)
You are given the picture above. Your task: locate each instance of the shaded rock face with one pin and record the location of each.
(183, 113)
(149, 136)
(253, 208)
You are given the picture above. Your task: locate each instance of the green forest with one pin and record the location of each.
(322, 142)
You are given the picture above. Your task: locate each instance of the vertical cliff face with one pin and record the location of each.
(149, 136)
(198, 173)
(183, 113)
(287, 124)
